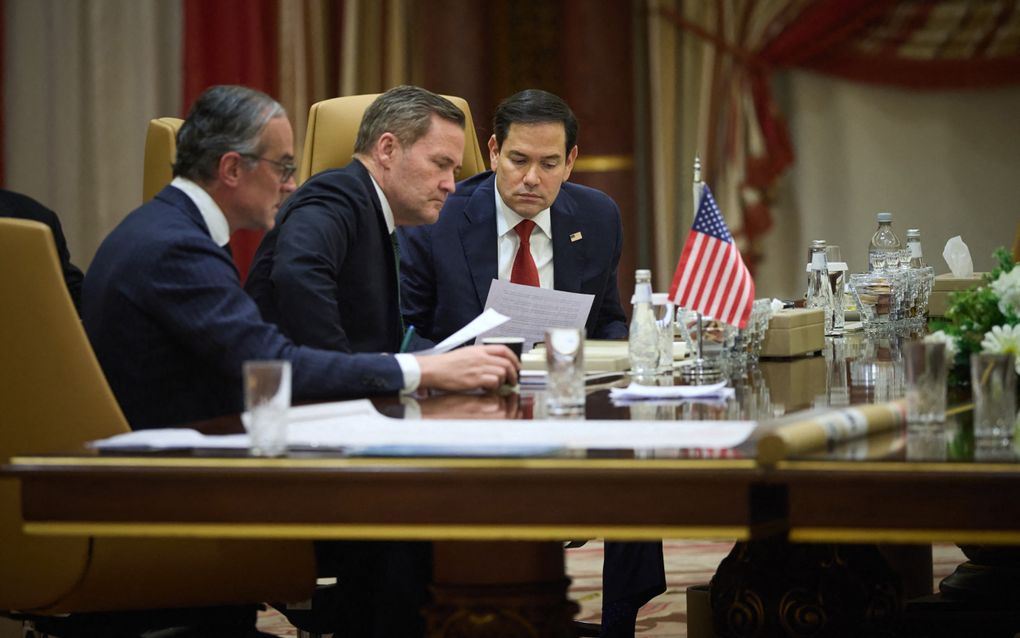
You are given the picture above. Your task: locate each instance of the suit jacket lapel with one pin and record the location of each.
(478, 238)
(568, 256)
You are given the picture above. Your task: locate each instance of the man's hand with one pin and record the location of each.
(469, 368)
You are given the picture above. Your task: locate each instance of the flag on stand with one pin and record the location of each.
(711, 277)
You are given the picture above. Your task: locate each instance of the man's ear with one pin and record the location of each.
(571, 156)
(385, 149)
(493, 152)
(230, 168)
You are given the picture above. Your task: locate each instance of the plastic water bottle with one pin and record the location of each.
(819, 293)
(885, 246)
(644, 333)
(914, 248)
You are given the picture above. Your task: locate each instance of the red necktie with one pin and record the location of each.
(524, 271)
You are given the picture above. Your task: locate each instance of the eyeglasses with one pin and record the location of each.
(286, 169)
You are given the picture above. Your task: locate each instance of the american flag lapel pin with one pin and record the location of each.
(575, 237)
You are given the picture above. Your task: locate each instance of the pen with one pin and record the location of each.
(407, 339)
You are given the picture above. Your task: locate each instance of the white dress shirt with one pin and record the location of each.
(541, 241)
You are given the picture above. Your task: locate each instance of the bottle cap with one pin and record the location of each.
(643, 274)
(913, 233)
(884, 217)
(817, 243)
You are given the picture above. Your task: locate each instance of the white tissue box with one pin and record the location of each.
(938, 301)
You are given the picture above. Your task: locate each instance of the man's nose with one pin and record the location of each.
(531, 177)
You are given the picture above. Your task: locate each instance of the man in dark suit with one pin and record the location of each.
(171, 326)
(327, 273)
(524, 222)
(23, 207)
(162, 302)
(575, 234)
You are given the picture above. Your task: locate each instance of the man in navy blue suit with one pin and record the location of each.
(171, 326)
(522, 221)
(163, 305)
(574, 232)
(327, 273)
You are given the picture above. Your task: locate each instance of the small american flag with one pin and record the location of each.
(711, 278)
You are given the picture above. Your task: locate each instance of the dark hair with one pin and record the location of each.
(534, 106)
(406, 112)
(224, 118)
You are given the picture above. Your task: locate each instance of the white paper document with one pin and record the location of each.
(533, 310)
(482, 324)
(357, 430)
(638, 391)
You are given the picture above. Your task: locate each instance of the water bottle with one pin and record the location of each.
(921, 279)
(644, 333)
(819, 293)
(914, 248)
(885, 246)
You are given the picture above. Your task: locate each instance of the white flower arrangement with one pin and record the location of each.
(1003, 340)
(986, 318)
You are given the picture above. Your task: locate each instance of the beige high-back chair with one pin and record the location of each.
(333, 126)
(56, 399)
(160, 151)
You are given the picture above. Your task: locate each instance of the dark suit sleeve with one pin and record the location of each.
(311, 248)
(196, 293)
(417, 279)
(612, 322)
(73, 275)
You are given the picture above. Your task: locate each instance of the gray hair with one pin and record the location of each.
(224, 118)
(406, 112)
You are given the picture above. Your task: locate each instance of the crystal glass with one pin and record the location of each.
(266, 400)
(993, 383)
(837, 270)
(877, 296)
(663, 311)
(564, 356)
(926, 367)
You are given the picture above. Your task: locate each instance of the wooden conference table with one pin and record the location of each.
(500, 523)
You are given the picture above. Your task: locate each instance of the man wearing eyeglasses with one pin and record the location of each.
(327, 274)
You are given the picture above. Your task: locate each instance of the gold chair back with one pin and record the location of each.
(160, 151)
(56, 399)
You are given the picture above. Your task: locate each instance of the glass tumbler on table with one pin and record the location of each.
(564, 356)
(267, 399)
(836, 269)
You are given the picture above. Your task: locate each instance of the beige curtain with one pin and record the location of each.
(670, 161)
(82, 81)
(369, 55)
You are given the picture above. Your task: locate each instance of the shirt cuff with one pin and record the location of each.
(412, 371)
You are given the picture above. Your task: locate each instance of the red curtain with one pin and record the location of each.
(231, 42)
(918, 44)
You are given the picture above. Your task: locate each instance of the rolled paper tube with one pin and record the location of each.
(821, 430)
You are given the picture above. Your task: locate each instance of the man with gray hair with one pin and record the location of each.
(327, 274)
(162, 301)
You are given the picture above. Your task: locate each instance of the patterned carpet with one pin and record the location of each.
(687, 563)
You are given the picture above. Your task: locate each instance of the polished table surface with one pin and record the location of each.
(898, 486)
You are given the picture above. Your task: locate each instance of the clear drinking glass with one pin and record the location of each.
(926, 368)
(564, 356)
(993, 383)
(267, 399)
(662, 309)
(837, 270)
